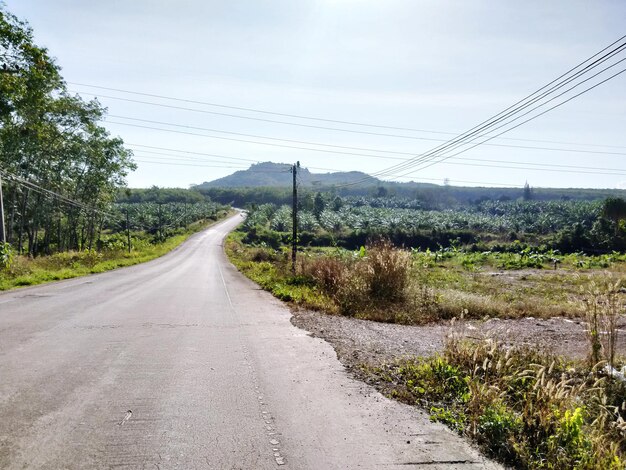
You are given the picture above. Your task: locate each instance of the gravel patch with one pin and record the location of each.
(367, 342)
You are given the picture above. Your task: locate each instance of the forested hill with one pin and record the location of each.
(271, 182)
(279, 174)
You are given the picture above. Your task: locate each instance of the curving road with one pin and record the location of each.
(183, 363)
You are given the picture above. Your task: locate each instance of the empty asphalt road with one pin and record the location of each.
(183, 363)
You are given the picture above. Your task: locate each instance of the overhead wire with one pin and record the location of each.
(297, 116)
(365, 149)
(509, 114)
(439, 153)
(498, 163)
(531, 167)
(516, 108)
(528, 120)
(315, 143)
(196, 162)
(303, 125)
(540, 165)
(47, 192)
(503, 185)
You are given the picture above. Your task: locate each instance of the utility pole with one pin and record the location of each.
(128, 230)
(3, 234)
(160, 229)
(294, 213)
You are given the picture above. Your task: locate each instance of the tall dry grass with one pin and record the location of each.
(377, 278)
(603, 307)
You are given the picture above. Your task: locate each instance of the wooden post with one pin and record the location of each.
(294, 213)
(128, 230)
(3, 235)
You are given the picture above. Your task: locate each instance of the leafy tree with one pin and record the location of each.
(51, 139)
(527, 195)
(318, 205)
(614, 208)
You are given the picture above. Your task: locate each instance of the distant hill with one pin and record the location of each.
(271, 182)
(279, 175)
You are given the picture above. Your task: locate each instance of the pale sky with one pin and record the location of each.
(437, 66)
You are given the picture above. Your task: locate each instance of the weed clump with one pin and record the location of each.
(525, 408)
(387, 271)
(374, 278)
(603, 306)
(328, 272)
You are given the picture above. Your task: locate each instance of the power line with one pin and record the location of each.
(507, 116)
(188, 152)
(151, 160)
(503, 185)
(559, 168)
(304, 142)
(547, 165)
(534, 101)
(239, 108)
(474, 133)
(234, 139)
(530, 165)
(530, 119)
(534, 169)
(353, 123)
(611, 170)
(272, 121)
(48, 192)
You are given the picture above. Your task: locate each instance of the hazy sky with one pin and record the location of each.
(437, 66)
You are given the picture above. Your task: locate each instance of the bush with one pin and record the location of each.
(379, 276)
(387, 271)
(262, 254)
(352, 295)
(525, 408)
(6, 256)
(328, 272)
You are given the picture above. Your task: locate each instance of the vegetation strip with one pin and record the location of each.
(523, 407)
(25, 271)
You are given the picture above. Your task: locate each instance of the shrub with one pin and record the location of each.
(6, 256)
(262, 254)
(328, 272)
(525, 408)
(352, 296)
(496, 429)
(377, 276)
(387, 271)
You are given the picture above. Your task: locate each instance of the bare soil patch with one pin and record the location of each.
(360, 342)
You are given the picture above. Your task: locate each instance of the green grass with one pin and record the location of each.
(522, 407)
(29, 272)
(440, 284)
(271, 271)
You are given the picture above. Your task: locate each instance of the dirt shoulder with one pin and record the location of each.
(367, 342)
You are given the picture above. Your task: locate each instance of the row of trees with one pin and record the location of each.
(405, 195)
(570, 226)
(51, 141)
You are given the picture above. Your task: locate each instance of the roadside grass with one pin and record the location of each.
(427, 286)
(526, 408)
(271, 270)
(374, 287)
(25, 271)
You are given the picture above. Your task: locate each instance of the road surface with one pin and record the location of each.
(183, 363)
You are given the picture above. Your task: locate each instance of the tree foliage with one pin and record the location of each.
(569, 226)
(51, 140)
(614, 208)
